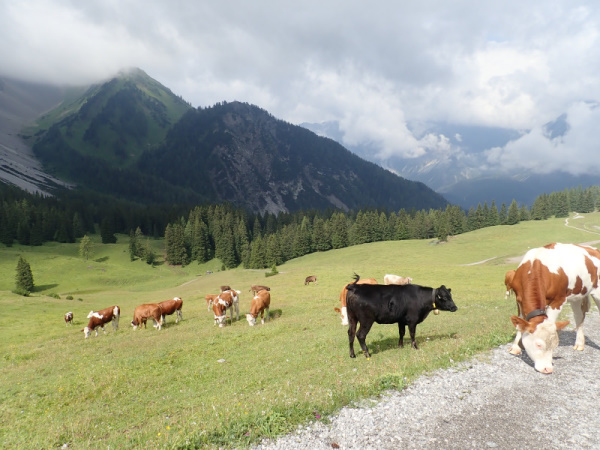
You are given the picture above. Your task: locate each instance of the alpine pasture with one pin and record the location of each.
(194, 384)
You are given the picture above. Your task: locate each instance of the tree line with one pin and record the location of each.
(226, 233)
(201, 233)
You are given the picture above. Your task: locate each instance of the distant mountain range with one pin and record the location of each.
(131, 138)
(464, 178)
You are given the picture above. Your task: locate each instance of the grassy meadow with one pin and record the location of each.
(193, 384)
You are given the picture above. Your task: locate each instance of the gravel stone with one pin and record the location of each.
(495, 401)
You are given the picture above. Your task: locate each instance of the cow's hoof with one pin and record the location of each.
(578, 347)
(514, 351)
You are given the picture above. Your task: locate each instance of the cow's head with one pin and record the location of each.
(221, 320)
(251, 319)
(539, 340)
(135, 325)
(87, 332)
(443, 299)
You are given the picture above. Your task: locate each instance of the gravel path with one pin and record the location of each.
(498, 401)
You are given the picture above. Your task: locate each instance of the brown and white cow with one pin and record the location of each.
(69, 318)
(147, 311)
(546, 278)
(171, 306)
(310, 279)
(342, 309)
(508, 277)
(396, 279)
(258, 287)
(210, 299)
(259, 303)
(102, 317)
(226, 300)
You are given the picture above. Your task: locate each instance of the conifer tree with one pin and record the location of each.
(513, 214)
(24, 277)
(86, 247)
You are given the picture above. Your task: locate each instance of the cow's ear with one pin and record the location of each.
(560, 325)
(521, 324)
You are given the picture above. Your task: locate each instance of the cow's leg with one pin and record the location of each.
(579, 309)
(515, 349)
(237, 310)
(412, 329)
(361, 335)
(351, 335)
(401, 331)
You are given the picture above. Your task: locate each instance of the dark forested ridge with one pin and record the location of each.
(133, 139)
(239, 153)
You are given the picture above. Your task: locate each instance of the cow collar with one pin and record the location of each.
(535, 313)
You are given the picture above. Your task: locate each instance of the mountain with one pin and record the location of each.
(239, 153)
(21, 103)
(463, 176)
(132, 138)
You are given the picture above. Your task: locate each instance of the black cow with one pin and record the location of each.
(405, 305)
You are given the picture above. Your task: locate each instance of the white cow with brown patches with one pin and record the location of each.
(546, 278)
(226, 300)
(69, 318)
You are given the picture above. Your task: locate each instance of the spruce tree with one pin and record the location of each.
(24, 277)
(513, 214)
(86, 248)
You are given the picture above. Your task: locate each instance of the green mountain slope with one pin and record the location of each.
(113, 122)
(133, 139)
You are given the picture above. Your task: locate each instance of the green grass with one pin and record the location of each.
(172, 388)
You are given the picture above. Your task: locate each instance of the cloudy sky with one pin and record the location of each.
(374, 67)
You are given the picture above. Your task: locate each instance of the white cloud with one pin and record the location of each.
(575, 151)
(372, 67)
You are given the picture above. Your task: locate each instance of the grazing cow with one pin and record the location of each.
(396, 279)
(260, 302)
(147, 311)
(342, 309)
(170, 306)
(226, 300)
(405, 305)
(210, 298)
(257, 287)
(310, 279)
(546, 278)
(508, 277)
(102, 317)
(225, 288)
(69, 318)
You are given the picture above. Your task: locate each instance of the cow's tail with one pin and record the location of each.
(356, 278)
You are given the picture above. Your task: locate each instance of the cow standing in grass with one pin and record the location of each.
(147, 311)
(99, 318)
(172, 306)
(406, 305)
(260, 302)
(69, 318)
(310, 279)
(226, 300)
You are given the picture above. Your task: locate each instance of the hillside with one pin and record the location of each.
(239, 153)
(133, 139)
